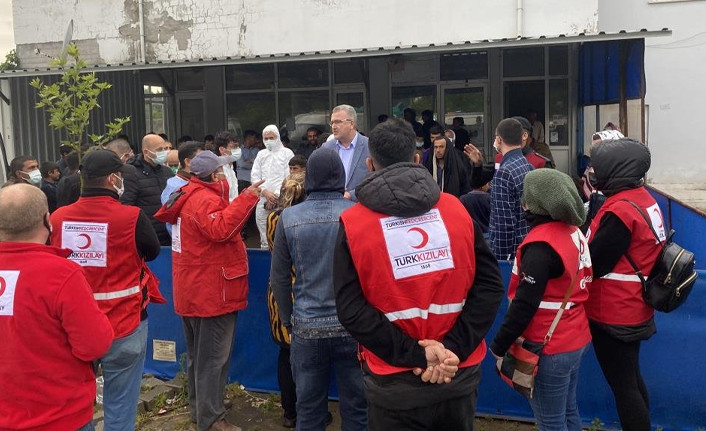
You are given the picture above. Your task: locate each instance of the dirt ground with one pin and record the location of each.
(253, 411)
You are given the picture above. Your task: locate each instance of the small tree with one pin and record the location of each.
(71, 100)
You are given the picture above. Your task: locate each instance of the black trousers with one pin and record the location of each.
(456, 414)
(209, 344)
(620, 362)
(286, 383)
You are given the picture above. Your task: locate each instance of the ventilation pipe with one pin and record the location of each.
(520, 12)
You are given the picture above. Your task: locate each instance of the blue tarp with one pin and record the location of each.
(672, 361)
(599, 71)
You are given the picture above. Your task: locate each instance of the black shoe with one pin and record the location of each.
(329, 419)
(289, 422)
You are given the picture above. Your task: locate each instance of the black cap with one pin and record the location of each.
(525, 123)
(100, 163)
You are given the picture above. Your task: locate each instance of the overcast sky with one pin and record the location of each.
(7, 39)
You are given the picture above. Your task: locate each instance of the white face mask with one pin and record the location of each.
(120, 190)
(235, 154)
(270, 144)
(35, 177)
(419, 144)
(160, 157)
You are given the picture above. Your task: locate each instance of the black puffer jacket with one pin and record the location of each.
(620, 165)
(143, 188)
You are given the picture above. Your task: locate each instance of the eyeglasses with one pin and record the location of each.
(338, 122)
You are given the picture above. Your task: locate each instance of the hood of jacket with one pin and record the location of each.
(402, 190)
(325, 172)
(619, 165)
(169, 212)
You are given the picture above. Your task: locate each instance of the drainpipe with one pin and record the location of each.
(142, 32)
(520, 11)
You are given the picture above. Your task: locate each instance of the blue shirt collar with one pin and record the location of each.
(353, 143)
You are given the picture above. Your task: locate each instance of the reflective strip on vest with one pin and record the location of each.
(116, 294)
(549, 305)
(621, 277)
(412, 313)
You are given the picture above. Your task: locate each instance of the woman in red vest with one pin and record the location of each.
(552, 259)
(619, 317)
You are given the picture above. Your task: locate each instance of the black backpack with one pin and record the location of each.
(673, 275)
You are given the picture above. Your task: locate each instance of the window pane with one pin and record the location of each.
(558, 128)
(303, 74)
(250, 111)
(348, 72)
(158, 117)
(250, 77)
(152, 89)
(523, 62)
(467, 65)
(469, 104)
(608, 114)
(413, 68)
(558, 60)
(190, 79)
(635, 119)
(589, 127)
(418, 97)
(299, 110)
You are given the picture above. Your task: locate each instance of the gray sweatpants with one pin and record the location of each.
(209, 344)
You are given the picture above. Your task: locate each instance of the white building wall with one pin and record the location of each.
(107, 31)
(674, 73)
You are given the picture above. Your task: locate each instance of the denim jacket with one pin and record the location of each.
(309, 231)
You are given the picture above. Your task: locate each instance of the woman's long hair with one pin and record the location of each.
(292, 191)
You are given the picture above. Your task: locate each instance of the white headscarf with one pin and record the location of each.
(278, 142)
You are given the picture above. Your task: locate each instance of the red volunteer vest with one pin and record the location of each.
(533, 159)
(101, 233)
(616, 298)
(572, 331)
(416, 270)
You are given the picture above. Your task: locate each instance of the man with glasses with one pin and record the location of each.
(144, 185)
(351, 146)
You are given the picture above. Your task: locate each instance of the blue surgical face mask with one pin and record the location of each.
(35, 177)
(160, 157)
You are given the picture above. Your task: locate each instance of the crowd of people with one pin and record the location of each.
(384, 267)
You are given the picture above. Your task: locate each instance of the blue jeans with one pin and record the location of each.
(311, 368)
(554, 401)
(88, 427)
(122, 376)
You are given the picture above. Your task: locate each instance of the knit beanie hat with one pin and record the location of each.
(553, 193)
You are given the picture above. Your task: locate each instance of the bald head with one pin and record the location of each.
(23, 209)
(173, 158)
(152, 146)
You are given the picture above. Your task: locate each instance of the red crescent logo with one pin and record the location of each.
(425, 237)
(88, 241)
(2, 286)
(659, 217)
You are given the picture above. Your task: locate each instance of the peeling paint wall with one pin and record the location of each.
(191, 29)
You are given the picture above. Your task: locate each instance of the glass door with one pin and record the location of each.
(192, 116)
(465, 108)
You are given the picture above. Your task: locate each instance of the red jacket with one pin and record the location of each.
(572, 331)
(209, 260)
(50, 331)
(417, 271)
(537, 161)
(100, 231)
(616, 298)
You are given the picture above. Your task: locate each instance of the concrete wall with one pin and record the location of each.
(675, 83)
(107, 31)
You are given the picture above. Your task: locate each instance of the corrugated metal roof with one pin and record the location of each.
(362, 52)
